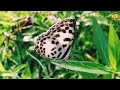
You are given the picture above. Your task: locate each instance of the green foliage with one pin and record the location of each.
(114, 49)
(83, 66)
(100, 42)
(95, 54)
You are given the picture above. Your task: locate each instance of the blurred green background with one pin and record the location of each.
(19, 28)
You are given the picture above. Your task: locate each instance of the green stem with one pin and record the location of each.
(44, 68)
(113, 75)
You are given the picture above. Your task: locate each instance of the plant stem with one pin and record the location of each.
(113, 75)
(44, 68)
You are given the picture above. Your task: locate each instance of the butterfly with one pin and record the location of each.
(57, 41)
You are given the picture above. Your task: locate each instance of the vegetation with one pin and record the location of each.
(95, 54)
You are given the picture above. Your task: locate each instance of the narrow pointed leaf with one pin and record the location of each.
(113, 47)
(118, 57)
(83, 66)
(101, 42)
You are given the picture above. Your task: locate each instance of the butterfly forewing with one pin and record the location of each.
(57, 42)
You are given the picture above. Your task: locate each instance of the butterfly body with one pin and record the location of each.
(56, 43)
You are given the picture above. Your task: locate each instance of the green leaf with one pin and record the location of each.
(19, 67)
(2, 39)
(107, 76)
(118, 56)
(113, 47)
(2, 69)
(89, 75)
(83, 66)
(35, 74)
(2, 31)
(27, 72)
(9, 74)
(100, 42)
(5, 23)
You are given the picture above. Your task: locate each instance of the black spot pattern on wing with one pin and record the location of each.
(67, 39)
(53, 48)
(59, 54)
(64, 45)
(60, 49)
(57, 43)
(53, 42)
(57, 35)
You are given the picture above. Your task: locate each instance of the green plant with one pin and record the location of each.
(95, 54)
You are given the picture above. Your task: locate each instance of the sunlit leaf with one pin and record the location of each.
(2, 69)
(113, 49)
(7, 23)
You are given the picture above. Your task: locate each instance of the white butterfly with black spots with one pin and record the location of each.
(57, 42)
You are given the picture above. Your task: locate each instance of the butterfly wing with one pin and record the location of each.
(57, 42)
